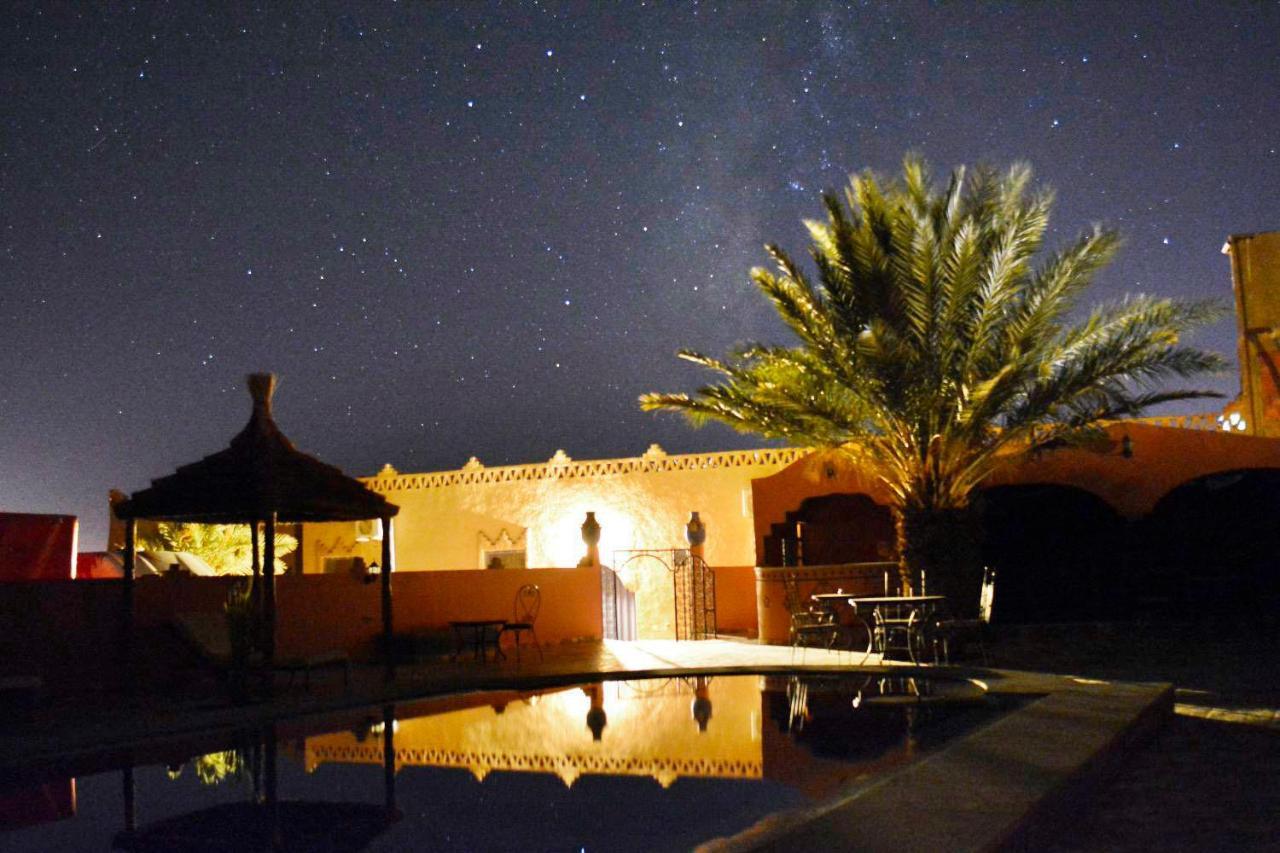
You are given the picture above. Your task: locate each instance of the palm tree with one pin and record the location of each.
(930, 344)
(227, 548)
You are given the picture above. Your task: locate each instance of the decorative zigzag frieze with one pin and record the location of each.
(582, 763)
(650, 463)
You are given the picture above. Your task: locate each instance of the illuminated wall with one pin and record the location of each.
(647, 728)
(448, 520)
(1255, 273)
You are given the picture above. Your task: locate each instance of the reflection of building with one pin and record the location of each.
(731, 727)
(1192, 498)
(647, 729)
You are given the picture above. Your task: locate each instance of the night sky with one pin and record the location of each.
(484, 229)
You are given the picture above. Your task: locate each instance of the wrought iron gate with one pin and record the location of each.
(693, 587)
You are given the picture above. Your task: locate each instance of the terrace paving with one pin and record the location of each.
(1208, 781)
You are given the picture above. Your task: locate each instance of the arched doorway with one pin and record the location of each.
(832, 529)
(1059, 553)
(1214, 544)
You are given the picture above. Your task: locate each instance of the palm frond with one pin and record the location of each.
(928, 341)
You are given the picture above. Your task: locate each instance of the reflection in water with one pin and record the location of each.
(214, 768)
(662, 730)
(580, 762)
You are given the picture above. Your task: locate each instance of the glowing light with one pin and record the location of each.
(1232, 422)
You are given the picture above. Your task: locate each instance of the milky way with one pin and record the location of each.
(485, 229)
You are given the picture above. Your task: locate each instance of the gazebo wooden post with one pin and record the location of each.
(256, 589)
(126, 628)
(387, 567)
(269, 586)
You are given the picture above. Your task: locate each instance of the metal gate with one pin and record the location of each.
(693, 588)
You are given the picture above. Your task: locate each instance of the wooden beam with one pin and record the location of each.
(254, 534)
(269, 587)
(126, 621)
(388, 566)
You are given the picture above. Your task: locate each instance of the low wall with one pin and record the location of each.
(736, 600)
(70, 632)
(771, 604)
(322, 612)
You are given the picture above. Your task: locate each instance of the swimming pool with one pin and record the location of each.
(650, 764)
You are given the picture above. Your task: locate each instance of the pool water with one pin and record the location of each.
(660, 764)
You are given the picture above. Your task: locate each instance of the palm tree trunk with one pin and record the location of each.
(939, 551)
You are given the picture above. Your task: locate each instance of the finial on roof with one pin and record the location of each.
(261, 387)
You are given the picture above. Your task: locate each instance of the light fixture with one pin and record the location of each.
(1233, 422)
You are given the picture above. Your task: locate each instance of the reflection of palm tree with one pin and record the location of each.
(214, 768)
(929, 345)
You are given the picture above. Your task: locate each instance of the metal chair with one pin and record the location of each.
(947, 630)
(528, 602)
(808, 621)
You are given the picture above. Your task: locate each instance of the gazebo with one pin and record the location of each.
(260, 479)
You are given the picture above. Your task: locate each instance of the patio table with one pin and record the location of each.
(852, 627)
(480, 634)
(905, 615)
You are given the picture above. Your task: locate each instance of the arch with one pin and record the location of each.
(1213, 544)
(830, 529)
(1059, 553)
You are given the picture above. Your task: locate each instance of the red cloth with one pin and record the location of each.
(37, 547)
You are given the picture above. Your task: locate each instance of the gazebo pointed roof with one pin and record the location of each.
(259, 473)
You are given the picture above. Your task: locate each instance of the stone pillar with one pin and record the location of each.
(591, 536)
